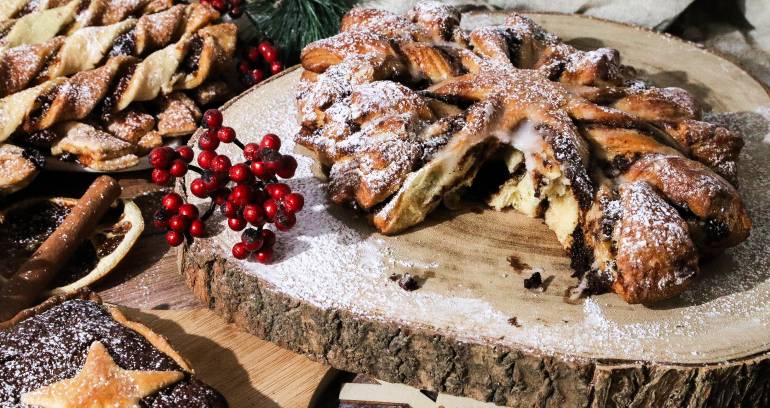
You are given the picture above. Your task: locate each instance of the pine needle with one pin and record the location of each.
(292, 24)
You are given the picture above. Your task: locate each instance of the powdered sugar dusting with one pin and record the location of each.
(335, 260)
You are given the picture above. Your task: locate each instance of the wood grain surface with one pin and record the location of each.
(328, 294)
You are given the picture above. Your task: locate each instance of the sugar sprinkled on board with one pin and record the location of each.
(334, 260)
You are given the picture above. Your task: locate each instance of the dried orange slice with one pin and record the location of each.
(26, 224)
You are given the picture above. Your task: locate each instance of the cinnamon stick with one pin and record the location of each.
(36, 274)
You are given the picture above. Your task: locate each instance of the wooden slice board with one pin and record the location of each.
(328, 294)
(248, 371)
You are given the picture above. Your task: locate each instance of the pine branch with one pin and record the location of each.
(292, 24)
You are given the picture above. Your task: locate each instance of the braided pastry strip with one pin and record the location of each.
(120, 82)
(88, 47)
(40, 24)
(603, 157)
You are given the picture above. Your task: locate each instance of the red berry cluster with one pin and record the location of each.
(247, 193)
(180, 219)
(232, 7)
(259, 62)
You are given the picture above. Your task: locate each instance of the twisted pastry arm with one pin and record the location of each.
(41, 23)
(88, 47)
(74, 98)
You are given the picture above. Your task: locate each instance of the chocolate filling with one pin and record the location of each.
(52, 346)
(191, 61)
(125, 44)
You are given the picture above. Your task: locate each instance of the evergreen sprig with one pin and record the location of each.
(292, 24)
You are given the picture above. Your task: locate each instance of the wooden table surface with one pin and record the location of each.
(250, 372)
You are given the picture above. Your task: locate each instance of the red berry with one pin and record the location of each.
(198, 188)
(161, 157)
(287, 166)
(211, 181)
(268, 52)
(277, 190)
(226, 134)
(229, 209)
(263, 45)
(273, 166)
(174, 238)
(254, 214)
(212, 118)
(220, 5)
(178, 168)
(197, 228)
(261, 170)
(220, 164)
(268, 237)
(284, 221)
(244, 67)
(264, 255)
(208, 141)
(160, 219)
(205, 157)
(252, 53)
(161, 177)
(270, 141)
(242, 194)
(236, 223)
(188, 211)
(220, 196)
(276, 67)
(271, 208)
(240, 251)
(257, 75)
(236, 12)
(239, 173)
(178, 223)
(171, 202)
(293, 203)
(186, 153)
(251, 151)
(251, 239)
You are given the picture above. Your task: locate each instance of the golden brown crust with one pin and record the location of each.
(656, 259)
(592, 141)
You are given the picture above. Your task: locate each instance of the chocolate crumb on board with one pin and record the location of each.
(405, 281)
(514, 321)
(517, 264)
(534, 281)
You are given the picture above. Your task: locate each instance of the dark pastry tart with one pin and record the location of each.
(72, 351)
(403, 112)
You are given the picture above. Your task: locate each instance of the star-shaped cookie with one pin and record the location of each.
(101, 383)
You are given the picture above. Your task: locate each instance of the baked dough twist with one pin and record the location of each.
(35, 22)
(97, 114)
(89, 47)
(403, 112)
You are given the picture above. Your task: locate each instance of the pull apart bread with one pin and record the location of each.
(404, 111)
(105, 89)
